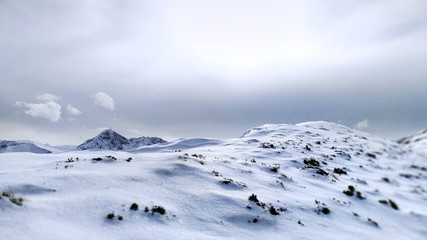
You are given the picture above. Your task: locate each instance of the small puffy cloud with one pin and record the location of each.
(46, 97)
(50, 110)
(363, 124)
(104, 100)
(46, 108)
(72, 110)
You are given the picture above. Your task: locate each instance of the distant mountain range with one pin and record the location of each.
(17, 146)
(111, 140)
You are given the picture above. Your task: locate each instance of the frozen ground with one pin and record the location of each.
(299, 174)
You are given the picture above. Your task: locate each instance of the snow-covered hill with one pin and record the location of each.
(20, 146)
(110, 140)
(313, 180)
(418, 142)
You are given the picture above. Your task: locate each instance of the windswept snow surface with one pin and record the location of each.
(204, 186)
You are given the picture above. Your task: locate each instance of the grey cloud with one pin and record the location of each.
(214, 69)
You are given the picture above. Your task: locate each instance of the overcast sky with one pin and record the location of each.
(209, 68)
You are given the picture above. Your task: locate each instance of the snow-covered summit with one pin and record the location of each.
(111, 140)
(15, 146)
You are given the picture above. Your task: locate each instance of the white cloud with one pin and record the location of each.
(47, 108)
(50, 110)
(363, 124)
(46, 97)
(104, 100)
(72, 110)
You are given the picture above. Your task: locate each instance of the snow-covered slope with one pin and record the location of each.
(314, 180)
(20, 146)
(110, 140)
(144, 141)
(418, 142)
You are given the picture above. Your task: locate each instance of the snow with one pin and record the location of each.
(417, 142)
(66, 198)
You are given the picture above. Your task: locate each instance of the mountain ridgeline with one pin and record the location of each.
(15, 146)
(111, 140)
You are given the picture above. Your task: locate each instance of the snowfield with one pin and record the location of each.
(314, 180)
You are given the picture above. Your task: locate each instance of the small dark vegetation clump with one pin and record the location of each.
(349, 191)
(373, 222)
(273, 210)
(371, 155)
(386, 179)
(275, 168)
(322, 172)
(129, 159)
(198, 156)
(389, 202)
(111, 157)
(325, 210)
(311, 162)
(340, 171)
(227, 181)
(12, 198)
(359, 195)
(146, 209)
(158, 209)
(110, 215)
(119, 217)
(134, 207)
(408, 176)
(255, 220)
(307, 148)
(267, 145)
(253, 198)
(97, 159)
(393, 204)
(322, 208)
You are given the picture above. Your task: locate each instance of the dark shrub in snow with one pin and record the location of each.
(253, 198)
(158, 209)
(134, 207)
